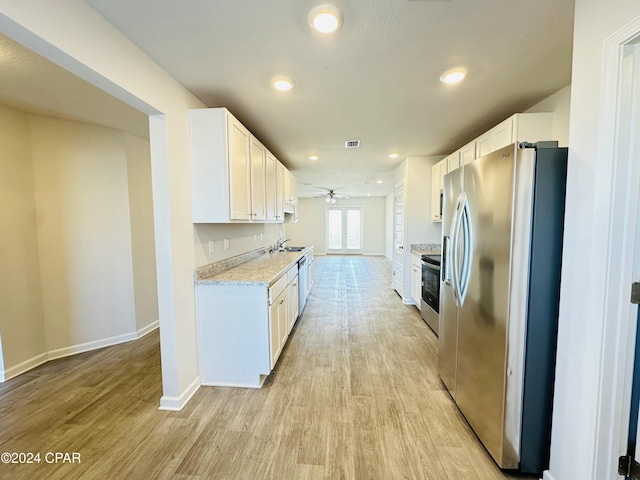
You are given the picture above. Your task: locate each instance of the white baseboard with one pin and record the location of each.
(25, 366)
(546, 475)
(148, 329)
(374, 254)
(175, 404)
(94, 345)
(45, 357)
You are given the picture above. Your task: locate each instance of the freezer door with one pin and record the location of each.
(448, 331)
(489, 185)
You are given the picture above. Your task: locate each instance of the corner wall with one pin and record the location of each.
(77, 247)
(21, 313)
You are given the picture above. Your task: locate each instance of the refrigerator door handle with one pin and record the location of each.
(467, 251)
(445, 275)
(455, 232)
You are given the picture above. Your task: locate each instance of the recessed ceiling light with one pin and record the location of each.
(379, 181)
(393, 155)
(455, 75)
(313, 158)
(325, 18)
(282, 83)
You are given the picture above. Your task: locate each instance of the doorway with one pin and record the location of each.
(620, 140)
(344, 230)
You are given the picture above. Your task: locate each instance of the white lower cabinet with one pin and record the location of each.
(242, 329)
(294, 309)
(278, 328)
(416, 279)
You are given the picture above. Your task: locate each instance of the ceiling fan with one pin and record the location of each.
(331, 195)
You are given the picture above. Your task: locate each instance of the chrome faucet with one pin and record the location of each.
(280, 244)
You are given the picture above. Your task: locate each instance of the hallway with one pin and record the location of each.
(355, 395)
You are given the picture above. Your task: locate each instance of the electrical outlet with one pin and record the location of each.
(212, 246)
(226, 243)
(261, 237)
(255, 238)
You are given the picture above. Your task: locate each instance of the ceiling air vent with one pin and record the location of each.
(352, 144)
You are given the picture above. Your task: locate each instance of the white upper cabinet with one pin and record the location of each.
(438, 171)
(521, 127)
(258, 180)
(468, 153)
(280, 181)
(290, 192)
(234, 177)
(240, 170)
(453, 161)
(271, 192)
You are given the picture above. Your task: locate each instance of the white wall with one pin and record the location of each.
(143, 244)
(242, 238)
(70, 33)
(84, 234)
(21, 315)
(559, 104)
(311, 226)
(579, 361)
(83, 274)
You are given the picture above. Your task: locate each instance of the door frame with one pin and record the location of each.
(619, 198)
(344, 250)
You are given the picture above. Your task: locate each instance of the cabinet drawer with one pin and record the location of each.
(291, 273)
(277, 288)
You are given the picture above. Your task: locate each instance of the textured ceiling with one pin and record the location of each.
(375, 80)
(33, 84)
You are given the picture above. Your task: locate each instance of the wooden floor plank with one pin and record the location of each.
(355, 395)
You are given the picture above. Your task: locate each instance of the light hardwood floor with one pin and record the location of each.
(355, 395)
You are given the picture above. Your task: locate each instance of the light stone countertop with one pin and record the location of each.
(262, 270)
(425, 249)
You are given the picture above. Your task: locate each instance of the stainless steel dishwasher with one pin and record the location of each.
(303, 282)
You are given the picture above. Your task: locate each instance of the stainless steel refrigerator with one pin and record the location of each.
(502, 242)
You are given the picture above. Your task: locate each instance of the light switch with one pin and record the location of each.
(212, 246)
(226, 243)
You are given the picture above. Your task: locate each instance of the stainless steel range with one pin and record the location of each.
(430, 305)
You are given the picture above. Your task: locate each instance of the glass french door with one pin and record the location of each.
(344, 230)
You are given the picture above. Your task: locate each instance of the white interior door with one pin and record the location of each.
(344, 230)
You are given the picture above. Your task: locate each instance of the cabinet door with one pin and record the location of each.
(278, 319)
(258, 180)
(435, 193)
(416, 283)
(239, 171)
(293, 303)
(288, 187)
(453, 162)
(271, 195)
(468, 153)
(502, 134)
(438, 171)
(280, 192)
(485, 144)
(283, 318)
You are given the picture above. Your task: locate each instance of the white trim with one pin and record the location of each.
(45, 357)
(619, 198)
(374, 255)
(144, 331)
(546, 475)
(25, 366)
(175, 404)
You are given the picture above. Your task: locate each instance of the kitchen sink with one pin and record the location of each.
(294, 249)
